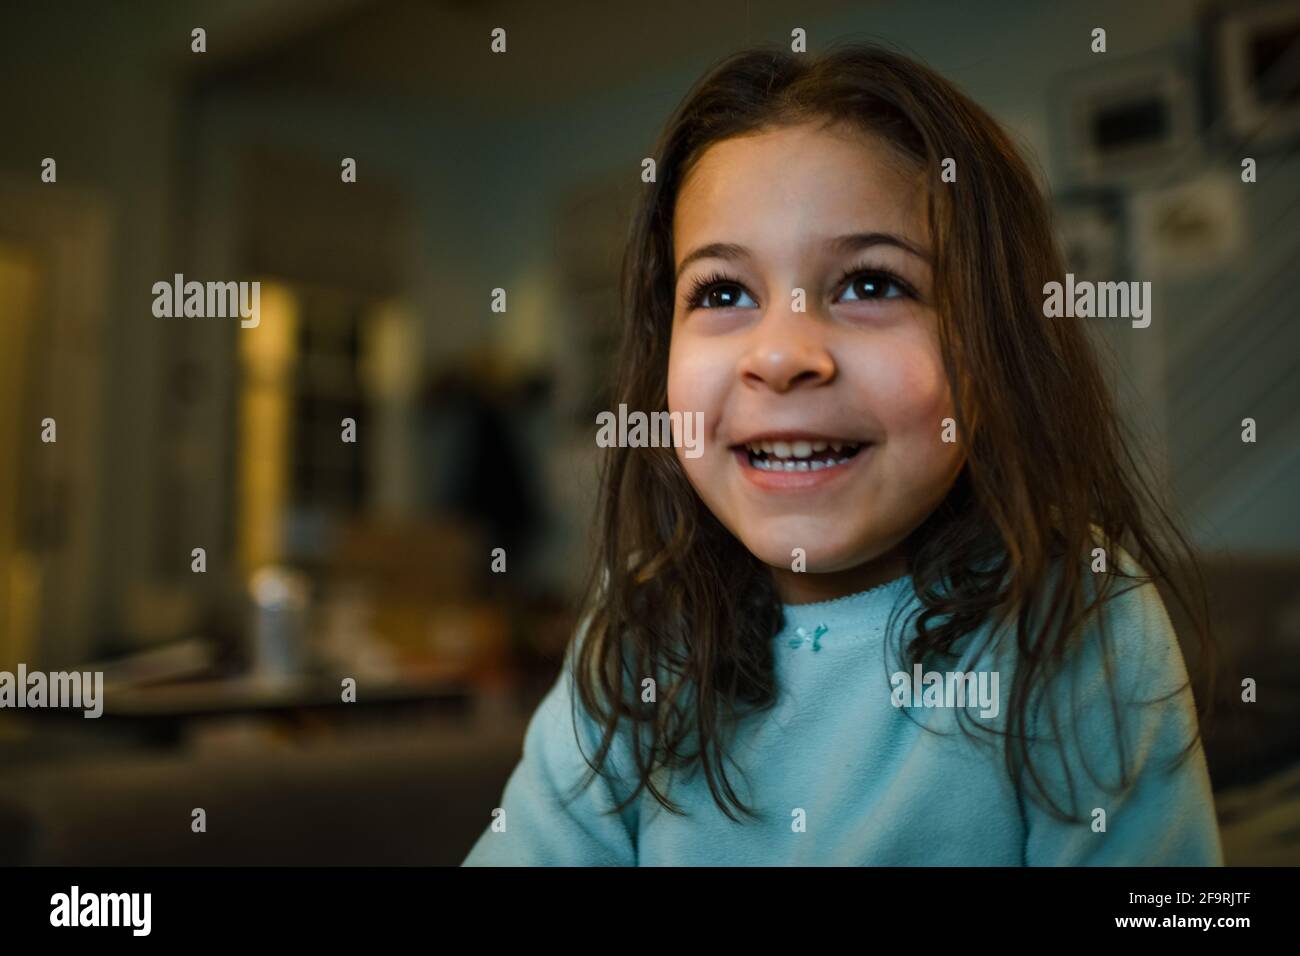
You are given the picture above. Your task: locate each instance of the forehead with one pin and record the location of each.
(795, 183)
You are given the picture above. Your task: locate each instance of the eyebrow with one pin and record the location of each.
(852, 242)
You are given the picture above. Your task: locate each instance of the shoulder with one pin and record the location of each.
(566, 729)
(1114, 727)
(1122, 633)
(1129, 633)
(1118, 694)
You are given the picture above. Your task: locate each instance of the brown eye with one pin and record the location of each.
(873, 285)
(719, 292)
(723, 297)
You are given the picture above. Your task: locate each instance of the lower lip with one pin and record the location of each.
(797, 480)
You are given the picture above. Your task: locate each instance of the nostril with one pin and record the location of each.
(806, 377)
(785, 368)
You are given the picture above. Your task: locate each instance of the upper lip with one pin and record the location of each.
(793, 435)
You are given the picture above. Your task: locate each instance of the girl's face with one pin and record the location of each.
(804, 331)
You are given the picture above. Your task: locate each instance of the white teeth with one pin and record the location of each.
(791, 464)
(799, 455)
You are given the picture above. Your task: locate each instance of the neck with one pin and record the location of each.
(804, 587)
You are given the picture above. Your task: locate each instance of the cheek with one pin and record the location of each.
(909, 385)
(697, 379)
(909, 390)
(679, 378)
(685, 394)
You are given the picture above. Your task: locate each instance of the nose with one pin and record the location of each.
(787, 350)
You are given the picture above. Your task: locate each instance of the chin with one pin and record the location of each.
(821, 556)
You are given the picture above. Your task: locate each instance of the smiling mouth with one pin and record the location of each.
(800, 455)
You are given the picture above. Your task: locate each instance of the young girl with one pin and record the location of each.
(890, 614)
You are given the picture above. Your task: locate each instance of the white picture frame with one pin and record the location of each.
(1244, 38)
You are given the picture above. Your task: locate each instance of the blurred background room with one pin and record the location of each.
(324, 558)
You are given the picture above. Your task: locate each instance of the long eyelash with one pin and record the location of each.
(702, 284)
(898, 280)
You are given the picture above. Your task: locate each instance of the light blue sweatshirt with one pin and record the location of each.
(844, 777)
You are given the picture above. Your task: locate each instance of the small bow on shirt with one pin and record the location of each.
(802, 637)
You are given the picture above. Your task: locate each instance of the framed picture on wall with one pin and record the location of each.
(1133, 122)
(1189, 228)
(1256, 54)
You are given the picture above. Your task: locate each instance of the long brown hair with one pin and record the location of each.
(1050, 472)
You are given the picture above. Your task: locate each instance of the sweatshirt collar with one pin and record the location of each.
(851, 611)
